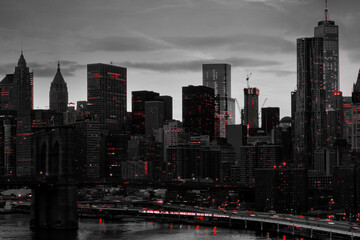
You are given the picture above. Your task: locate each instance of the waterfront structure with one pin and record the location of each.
(58, 95)
(198, 104)
(251, 107)
(218, 77)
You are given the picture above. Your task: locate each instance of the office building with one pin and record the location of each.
(218, 77)
(107, 95)
(198, 104)
(270, 118)
(138, 110)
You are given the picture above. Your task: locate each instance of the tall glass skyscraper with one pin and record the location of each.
(327, 30)
(218, 77)
(310, 110)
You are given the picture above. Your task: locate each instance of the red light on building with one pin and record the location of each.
(338, 93)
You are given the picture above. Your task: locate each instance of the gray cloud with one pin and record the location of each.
(68, 68)
(244, 42)
(124, 44)
(195, 65)
(279, 73)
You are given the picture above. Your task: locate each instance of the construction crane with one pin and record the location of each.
(262, 107)
(264, 102)
(247, 80)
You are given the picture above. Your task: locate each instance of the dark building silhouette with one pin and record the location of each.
(348, 118)
(198, 110)
(107, 95)
(310, 119)
(58, 95)
(54, 197)
(335, 118)
(17, 96)
(281, 189)
(192, 161)
(356, 115)
(168, 106)
(7, 143)
(251, 107)
(346, 185)
(259, 156)
(82, 111)
(154, 112)
(270, 118)
(138, 110)
(218, 77)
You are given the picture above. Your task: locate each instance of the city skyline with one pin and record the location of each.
(252, 36)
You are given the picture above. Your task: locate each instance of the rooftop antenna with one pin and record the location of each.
(21, 47)
(326, 11)
(58, 67)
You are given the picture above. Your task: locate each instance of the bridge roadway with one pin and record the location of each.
(326, 226)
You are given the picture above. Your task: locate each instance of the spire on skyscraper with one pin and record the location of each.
(326, 11)
(58, 79)
(21, 62)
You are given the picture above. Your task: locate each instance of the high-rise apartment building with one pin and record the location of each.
(251, 107)
(58, 95)
(198, 110)
(218, 77)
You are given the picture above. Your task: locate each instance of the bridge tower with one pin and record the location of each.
(54, 194)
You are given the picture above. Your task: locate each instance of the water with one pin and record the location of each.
(16, 226)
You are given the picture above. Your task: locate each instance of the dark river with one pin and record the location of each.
(16, 226)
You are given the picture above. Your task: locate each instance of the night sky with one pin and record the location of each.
(163, 43)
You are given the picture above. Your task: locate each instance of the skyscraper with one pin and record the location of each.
(329, 32)
(270, 118)
(138, 110)
(198, 110)
(23, 99)
(58, 95)
(17, 95)
(310, 116)
(218, 77)
(251, 107)
(154, 111)
(107, 95)
(356, 116)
